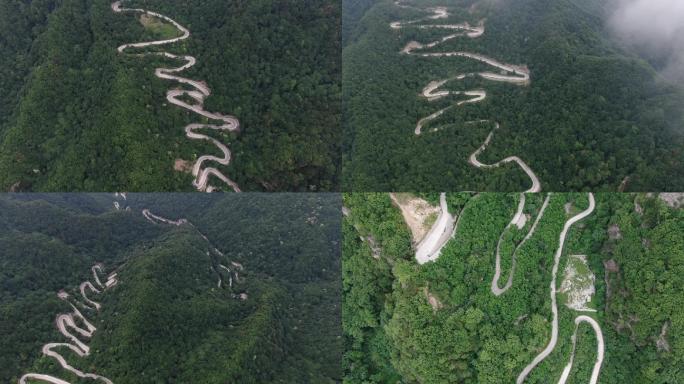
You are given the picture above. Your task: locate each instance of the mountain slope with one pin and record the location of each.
(593, 117)
(80, 116)
(446, 320)
(188, 303)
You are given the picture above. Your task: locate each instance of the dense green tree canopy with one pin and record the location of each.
(594, 116)
(167, 320)
(77, 116)
(394, 333)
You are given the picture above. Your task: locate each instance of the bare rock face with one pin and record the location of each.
(611, 266)
(614, 232)
(375, 248)
(673, 200)
(578, 283)
(661, 342)
(181, 165)
(433, 300)
(16, 187)
(638, 208)
(568, 208)
(646, 243)
(418, 214)
(519, 319)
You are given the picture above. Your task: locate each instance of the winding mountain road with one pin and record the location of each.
(554, 305)
(120, 201)
(67, 321)
(158, 219)
(536, 184)
(497, 269)
(198, 94)
(233, 274)
(509, 73)
(443, 230)
(75, 326)
(600, 350)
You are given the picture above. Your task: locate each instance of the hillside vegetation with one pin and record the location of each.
(76, 115)
(593, 117)
(174, 316)
(440, 322)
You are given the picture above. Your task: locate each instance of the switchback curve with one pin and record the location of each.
(600, 350)
(64, 321)
(513, 74)
(198, 94)
(497, 268)
(554, 305)
(443, 230)
(233, 273)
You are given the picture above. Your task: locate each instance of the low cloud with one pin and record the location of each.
(656, 29)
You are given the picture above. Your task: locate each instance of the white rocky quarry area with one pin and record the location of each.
(578, 286)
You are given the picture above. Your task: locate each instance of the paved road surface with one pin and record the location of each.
(66, 323)
(554, 307)
(200, 92)
(600, 350)
(497, 271)
(509, 73)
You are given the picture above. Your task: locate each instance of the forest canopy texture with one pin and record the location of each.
(439, 322)
(596, 115)
(76, 115)
(167, 320)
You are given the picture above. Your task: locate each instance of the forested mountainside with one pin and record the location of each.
(481, 311)
(352, 13)
(215, 298)
(77, 115)
(581, 110)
